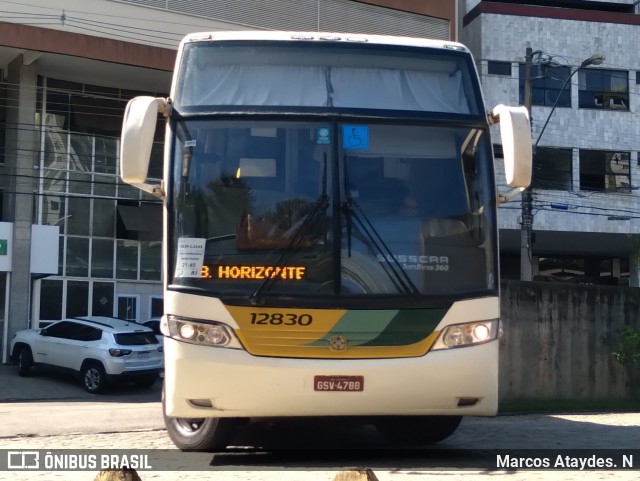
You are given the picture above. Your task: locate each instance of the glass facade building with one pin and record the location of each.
(110, 232)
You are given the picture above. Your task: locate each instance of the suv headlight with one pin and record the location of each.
(467, 334)
(205, 333)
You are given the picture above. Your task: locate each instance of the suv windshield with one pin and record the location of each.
(265, 208)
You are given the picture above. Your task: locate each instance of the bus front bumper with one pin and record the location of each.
(204, 381)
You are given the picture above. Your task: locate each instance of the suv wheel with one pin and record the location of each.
(25, 361)
(94, 378)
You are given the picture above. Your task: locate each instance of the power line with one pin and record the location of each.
(117, 115)
(174, 37)
(136, 29)
(190, 24)
(124, 37)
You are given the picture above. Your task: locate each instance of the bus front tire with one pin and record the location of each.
(199, 434)
(414, 430)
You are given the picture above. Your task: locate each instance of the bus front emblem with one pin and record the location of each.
(338, 343)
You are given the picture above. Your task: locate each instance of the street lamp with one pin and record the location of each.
(595, 59)
(526, 224)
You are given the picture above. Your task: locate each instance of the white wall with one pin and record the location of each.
(506, 38)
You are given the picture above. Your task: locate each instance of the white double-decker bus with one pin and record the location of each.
(330, 232)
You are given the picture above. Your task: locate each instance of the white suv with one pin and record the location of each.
(100, 349)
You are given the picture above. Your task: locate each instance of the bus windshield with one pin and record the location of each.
(323, 76)
(266, 208)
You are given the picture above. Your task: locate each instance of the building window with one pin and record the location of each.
(127, 259)
(561, 269)
(77, 298)
(128, 308)
(150, 260)
(157, 307)
(102, 258)
(546, 85)
(103, 218)
(60, 299)
(51, 300)
(510, 265)
(552, 169)
(579, 270)
(82, 193)
(79, 211)
(499, 68)
(139, 221)
(102, 299)
(637, 78)
(604, 171)
(604, 89)
(155, 161)
(77, 257)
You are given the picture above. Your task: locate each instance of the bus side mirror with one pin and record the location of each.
(515, 132)
(138, 131)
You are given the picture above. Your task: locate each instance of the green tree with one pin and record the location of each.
(627, 349)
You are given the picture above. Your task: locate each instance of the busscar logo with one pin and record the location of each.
(23, 460)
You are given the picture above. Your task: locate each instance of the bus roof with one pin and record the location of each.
(253, 35)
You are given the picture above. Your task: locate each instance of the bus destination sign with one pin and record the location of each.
(250, 272)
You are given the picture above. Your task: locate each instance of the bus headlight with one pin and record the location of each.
(467, 334)
(206, 333)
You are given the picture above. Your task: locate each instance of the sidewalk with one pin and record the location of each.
(48, 386)
(51, 404)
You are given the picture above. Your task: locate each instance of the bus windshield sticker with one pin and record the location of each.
(190, 257)
(190, 143)
(323, 136)
(355, 137)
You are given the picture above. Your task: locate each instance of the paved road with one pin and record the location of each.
(47, 420)
(531, 431)
(128, 418)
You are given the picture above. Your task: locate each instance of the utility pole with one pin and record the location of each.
(526, 221)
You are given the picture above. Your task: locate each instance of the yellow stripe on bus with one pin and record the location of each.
(280, 332)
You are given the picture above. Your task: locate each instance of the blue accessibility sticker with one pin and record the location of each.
(355, 137)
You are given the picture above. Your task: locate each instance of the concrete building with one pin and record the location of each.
(585, 196)
(74, 240)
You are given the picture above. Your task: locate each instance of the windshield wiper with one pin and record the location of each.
(320, 206)
(220, 238)
(398, 276)
(350, 206)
